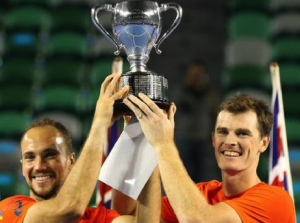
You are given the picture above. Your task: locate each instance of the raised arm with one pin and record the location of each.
(149, 206)
(188, 203)
(72, 199)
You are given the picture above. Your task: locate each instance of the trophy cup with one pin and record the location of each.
(136, 27)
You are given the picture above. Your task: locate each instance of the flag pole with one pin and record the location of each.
(275, 76)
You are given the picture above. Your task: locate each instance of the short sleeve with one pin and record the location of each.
(111, 215)
(168, 214)
(99, 215)
(264, 204)
(14, 209)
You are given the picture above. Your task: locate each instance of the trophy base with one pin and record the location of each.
(148, 82)
(121, 109)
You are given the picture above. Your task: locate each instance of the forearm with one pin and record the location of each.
(184, 196)
(86, 170)
(149, 206)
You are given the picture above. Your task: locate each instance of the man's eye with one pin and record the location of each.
(242, 134)
(51, 155)
(29, 158)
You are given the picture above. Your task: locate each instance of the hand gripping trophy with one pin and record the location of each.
(136, 28)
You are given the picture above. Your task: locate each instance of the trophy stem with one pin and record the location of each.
(138, 62)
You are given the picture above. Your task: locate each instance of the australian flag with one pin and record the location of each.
(280, 173)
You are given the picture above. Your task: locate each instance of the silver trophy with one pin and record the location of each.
(136, 28)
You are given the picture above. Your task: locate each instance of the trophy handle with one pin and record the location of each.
(94, 13)
(163, 8)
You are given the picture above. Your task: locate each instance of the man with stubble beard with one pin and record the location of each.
(60, 188)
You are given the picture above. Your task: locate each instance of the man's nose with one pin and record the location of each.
(40, 164)
(231, 140)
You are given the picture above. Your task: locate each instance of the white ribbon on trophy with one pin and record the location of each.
(130, 163)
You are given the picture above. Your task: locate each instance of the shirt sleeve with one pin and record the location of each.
(14, 209)
(111, 215)
(99, 215)
(267, 204)
(168, 215)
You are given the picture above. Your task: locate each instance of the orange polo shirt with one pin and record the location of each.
(13, 210)
(260, 203)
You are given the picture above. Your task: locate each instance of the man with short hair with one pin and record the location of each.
(241, 134)
(61, 189)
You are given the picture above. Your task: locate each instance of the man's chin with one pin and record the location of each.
(45, 195)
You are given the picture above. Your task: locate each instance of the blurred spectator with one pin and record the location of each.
(195, 102)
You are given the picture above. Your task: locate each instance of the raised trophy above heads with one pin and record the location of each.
(136, 29)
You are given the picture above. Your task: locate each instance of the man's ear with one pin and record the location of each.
(72, 159)
(264, 143)
(213, 138)
(21, 161)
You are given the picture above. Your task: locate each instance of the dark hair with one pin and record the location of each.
(60, 127)
(241, 103)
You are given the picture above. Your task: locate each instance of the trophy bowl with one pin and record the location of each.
(136, 27)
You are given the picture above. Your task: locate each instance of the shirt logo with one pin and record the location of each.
(18, 209)
(1, 216)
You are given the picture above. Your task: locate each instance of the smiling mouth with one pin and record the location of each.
(231, 153)
(42, 179)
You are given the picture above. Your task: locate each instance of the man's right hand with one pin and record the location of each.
(109, 93)
(157, 126)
